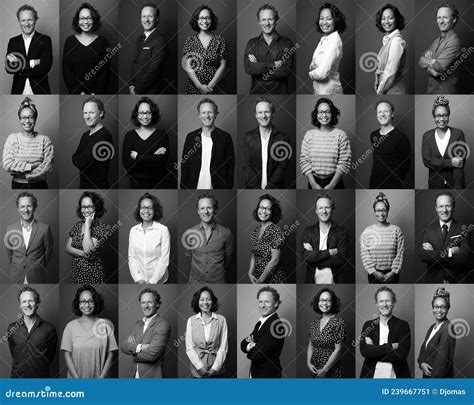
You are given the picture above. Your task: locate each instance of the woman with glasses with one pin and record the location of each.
(88, 341)
(325, 151)
(204, 54)
(267, 240)
(86, 59)
(145, 150)
(436, 359)
(444, 150)
(382, 245)
(149, 243)
(326, 335)
(27, 155)
(85, 238)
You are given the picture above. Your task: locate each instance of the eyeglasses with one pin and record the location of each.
(265, 209)
(144, 113)
(439, 307)
(327, 300)
(324, 112)
(437, 116)
(85, 19)
(204, 19)
(87, 207)
(146, 208)
(27, 118)
(86, 302)
(381, 211)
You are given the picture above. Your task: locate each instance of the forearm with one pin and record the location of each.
(71, 368)
(269, 268)
(219, 74)
(107, 364)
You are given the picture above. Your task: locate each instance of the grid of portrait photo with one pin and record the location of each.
(237, 189)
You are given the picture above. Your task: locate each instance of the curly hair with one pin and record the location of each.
(399, 19)
(97, 200)
(157, 208)
(28, 103)
(338, 17)
(335, 301)
(197, 295)
(96, 297)
(155, 112)
(96, 23)
(193, 22)
(440, 101)
(276, 209)
(442, 293)
(335, 113)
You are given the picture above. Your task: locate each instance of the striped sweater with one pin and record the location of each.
(20, 152)
(381, 248)
(324, 153)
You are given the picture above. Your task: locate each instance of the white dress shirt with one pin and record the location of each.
(323, 275)
(146, 324)
(395, 52)
(205, 181)
(264, 160)
(442, 143)
(384, 369)
(27, 90)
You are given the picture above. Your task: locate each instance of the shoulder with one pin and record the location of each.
(71, 39)
(429, 134)
(369, 229)
(400, 322)
(13, 137)
(162, 323)
(42, 225)
(193, 134)
(396, 228)
(222, 133)
(456, 131)
(135, 228)
(130, 133)
(219, 38)
(104, 133)
(339, 321)
(253, 41)
(222, 228)
(275, 229)
(161, 227)
(452, 38)
(370, 324)
(16, 225)
(221, 318)
(340, 133)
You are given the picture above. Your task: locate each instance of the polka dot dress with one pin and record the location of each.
(204, 62)
(87, 270)
(272, 238)
(323, 344)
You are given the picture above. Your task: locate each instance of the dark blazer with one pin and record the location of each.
(399, 332)
(40, 48)
(222, 160)
(265, 355)
(440, 266)
(441, 172)
(149, 361)
(338, 238)
(252, 159)
(31, 261)
(439, 353)
(147, 64)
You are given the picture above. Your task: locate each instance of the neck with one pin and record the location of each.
(204, 33)
(325, 128)
(386, 128)
(207, 130)
(147, 224)
(265, 130)
(88, 318)
(442, 130)
(384, 318)
(327, 315)
(30, 319)
(95, 128)
(208, 225)
(28, 222)
(325, 224)
(268, 37)
(439, 321)
(28, 133)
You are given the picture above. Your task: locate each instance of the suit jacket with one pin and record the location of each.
(222, 160)
(147, 63)
(265, 355)
(338, 238)
(40, 48)
(149, 361)
(399, 332)
(31, 261)
(439, 353)
(252, 158)
(440, 266)
(441, 172)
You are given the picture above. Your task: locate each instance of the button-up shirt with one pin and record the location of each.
(384, 369)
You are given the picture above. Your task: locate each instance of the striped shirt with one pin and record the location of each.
(324, 153)
(381, 248)
(20, 152)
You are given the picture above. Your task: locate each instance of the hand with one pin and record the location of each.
(368, 341)
(132, 90)
(36, 61)
(455, 250)
(312, 369)
(313, 66)
(212, 372)
(210, 88)
(395, 345)
(160, 151)
(252, 58)
(426, 368)
(253, 279)
(141, 282)
(389, 277)
(259, 280)
(249, 339)
(133, 154)
(277, 64)
(315, 186)
(329, 186)
(333, 252)
(85, 255)
(203, 89)
(307, 246)
(428, 55)
(203, 372)
(378, 275)
(12, 58)
(321, 373)
(145, 346)
(427, 246)
(35, 165)
(457, 162)
(88, 219)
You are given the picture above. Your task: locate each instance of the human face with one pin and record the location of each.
(384, 114)
(92, 115)
(86, 303)
(326, 22)
(85, 20)
(27, 22)
(205, 302)
(388, 20)
(148, 305)
(28, 304)
(440, 309)
(381, 212)
(87, 207)
(324, 114)
(445, 19)
(264, 114)
(27, 120)
(205, 210)
(267, 22)
(266, 303)
(264, 211)
(441, 117)
(324, 210)
(325, 302)
(204, 20)
(148, 18)
(146, 210)
(385, 303)
(144, 114)
(444, 208)
(207, 115)
(26, 209)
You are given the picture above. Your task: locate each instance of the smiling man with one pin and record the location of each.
(32, 340)
(149, 338)
(445, 244)
(385, 341)
(29, 56)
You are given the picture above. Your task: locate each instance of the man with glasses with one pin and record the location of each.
(29, 56)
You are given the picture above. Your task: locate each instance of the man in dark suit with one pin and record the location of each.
(29, 56)
(445, 244)
(150, 54)
(385, 341)
(266, 150)
(29, 243)
(324, 246)
(148, 341)
(264, 345)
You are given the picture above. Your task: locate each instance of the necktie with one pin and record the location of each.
(444, 231)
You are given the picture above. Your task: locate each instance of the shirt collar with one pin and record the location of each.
(213, 315)
(441, 223)
(29, 227)
(28, 36)
(147, 34)
(213, 225)
(390, 36)
(149, 320)
(276, 37)
(263, 319)
(330, 36)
